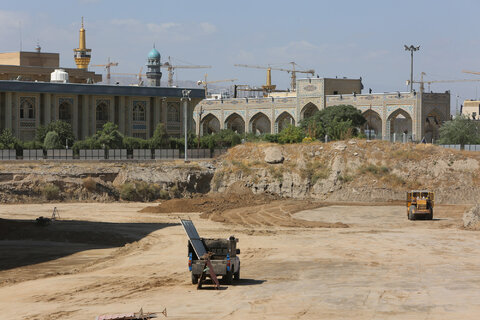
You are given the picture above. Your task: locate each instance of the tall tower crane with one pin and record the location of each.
(107, 67)
(139, 75)
(293, 82)
(422, 82)
(206, 83)
(170, 68)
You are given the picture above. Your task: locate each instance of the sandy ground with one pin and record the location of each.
(381, 267)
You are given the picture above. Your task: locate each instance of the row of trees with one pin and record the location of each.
(337, 122)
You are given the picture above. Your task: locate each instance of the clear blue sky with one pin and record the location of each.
(336, 38)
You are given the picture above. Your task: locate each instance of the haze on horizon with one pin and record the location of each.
(345, 39)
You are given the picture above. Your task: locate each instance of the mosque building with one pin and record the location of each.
(33, 98)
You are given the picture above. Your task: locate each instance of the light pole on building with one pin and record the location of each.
(185, 99)
(412, 49)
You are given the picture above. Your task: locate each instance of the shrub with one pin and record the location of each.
(90, 184)
(315, 171)
(52, 141)
(50, 192)
(62, 128)
(373, 169)
(141, 191)
(164, 194)
(291, 134)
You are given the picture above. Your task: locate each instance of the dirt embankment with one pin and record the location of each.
(239, 206)
(36, 181)
(355, 170)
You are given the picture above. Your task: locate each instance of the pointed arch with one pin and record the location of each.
(101, 115)
(209, 124)
(373, 126)
(400, 122)
(283, 120)
(260, 124)
(65, 111)
(235, 122)
(308, 110)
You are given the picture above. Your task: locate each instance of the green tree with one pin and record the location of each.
(52, 141)
(62, 128)
(460, 130)
(160, 137)
(109, 136)
(336, 121)
(8, 140)
(291, 134)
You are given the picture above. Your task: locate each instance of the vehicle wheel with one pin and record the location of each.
(236, 275)
(194, 279)
(411, 214)
(429, 216)
(228, 277)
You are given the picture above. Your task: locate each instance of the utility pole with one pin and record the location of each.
(185, 99)
(412, 49)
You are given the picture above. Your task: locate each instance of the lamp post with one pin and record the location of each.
(412, 49)
(185, 99)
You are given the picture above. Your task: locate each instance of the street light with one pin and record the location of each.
(412, 49)
(185, 99)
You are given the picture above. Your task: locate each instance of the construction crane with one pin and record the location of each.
(206, 83)
(139, 75)
(422, 82)
(293, 71)
(170, 68)
(107, 67)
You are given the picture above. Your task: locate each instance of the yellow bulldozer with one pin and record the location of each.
(420, 204)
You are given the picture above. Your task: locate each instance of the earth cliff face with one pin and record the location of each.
(355, 170)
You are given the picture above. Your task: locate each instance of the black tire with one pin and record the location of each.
(236, 275)
(411, 214)
(228, 278)
(429, 216)
(194, 279)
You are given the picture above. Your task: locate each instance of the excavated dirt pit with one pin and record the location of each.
(114, 258)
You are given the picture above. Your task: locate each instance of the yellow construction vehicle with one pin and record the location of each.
(420, 204)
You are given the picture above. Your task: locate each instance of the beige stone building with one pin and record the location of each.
(24, 106)
(471, 109)
(37, 66)
(390, 116)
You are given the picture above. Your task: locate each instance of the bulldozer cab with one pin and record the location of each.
(420, 198)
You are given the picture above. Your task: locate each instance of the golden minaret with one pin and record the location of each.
(82, 55)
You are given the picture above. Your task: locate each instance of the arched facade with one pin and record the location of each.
(373, 126)
(399, 123)
(235, 123)
(308, 110)
(210, 124)
(283, 120)
(260, 124)
(65, 111)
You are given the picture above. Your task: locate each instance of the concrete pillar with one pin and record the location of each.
(272, 120)
(157, 109)
(222, 118)
(75, 117)
(85, 116)
(147, 119)
(163, 113)
(93, 115)
(15, 115)
(111, 111)
(128, 112)
(8, 110)
(37, 111)
(122, 110)
(247, 121)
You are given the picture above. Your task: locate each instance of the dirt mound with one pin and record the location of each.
(471, 218)
(276, 213)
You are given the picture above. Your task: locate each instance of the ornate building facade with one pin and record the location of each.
(390, 116)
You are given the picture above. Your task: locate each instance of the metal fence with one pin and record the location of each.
(472, 147)
(95, 154)
(117, 154)
(8, 154)
(32, 154)
(59, 154)
(113, 154)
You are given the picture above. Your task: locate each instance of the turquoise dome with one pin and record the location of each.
(154, 54)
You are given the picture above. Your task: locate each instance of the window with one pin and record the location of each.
(139, 112)
(173, 112)
(64, 112)
(102, 112)
(27, 110)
